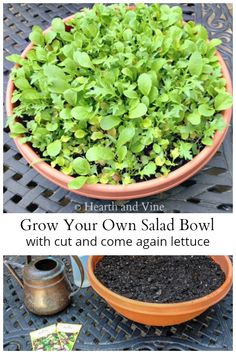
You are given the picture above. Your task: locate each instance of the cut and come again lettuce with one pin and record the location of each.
(118, 96)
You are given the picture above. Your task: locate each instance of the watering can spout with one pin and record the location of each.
(9, 264)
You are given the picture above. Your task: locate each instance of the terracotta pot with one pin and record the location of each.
(161, 314)
(135, 190)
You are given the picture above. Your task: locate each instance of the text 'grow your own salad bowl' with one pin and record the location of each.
(119, 102)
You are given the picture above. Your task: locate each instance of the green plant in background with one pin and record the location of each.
(119, 95)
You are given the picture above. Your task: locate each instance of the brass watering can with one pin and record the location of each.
(47, 289)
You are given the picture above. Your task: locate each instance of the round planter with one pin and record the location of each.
(135, 190)
(161, 314)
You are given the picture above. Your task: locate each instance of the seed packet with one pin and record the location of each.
(68, 334)
(45, 339)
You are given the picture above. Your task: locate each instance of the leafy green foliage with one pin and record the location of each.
(82, 59)
(81, 166)
(54, 148)
(145, 84)
(109, 122)
(77, 182)
(195, 64)
(17, 129)
(125, 136)
(149, 169)
(205, 110)
(194, 118)
(125, 95)
(99, 153)
(222, 101)
(138, 111)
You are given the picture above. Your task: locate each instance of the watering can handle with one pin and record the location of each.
(9, 266)
(81, 269)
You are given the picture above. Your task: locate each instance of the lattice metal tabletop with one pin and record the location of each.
(27, 191)
(105, 329)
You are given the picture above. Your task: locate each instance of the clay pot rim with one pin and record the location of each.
(139, 188)
(140, 306)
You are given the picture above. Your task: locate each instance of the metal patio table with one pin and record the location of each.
(104, 329)
(27, 191)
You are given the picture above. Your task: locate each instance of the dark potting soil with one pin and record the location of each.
(160, 279)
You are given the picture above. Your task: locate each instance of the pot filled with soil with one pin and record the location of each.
(160, 290)
(118, 102)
